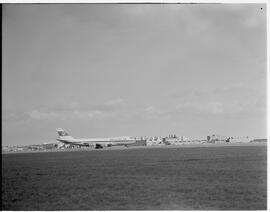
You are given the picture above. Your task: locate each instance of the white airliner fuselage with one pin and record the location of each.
(101, 142)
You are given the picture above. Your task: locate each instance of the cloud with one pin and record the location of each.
(115, 102)
(108, 109)
(190, 93)
(74, 105)
(105, 110)
(214, 108)
(211, 108)
(67, 114)
(229, 96)
(110, 105)
(12, 116)
(149, 109)
(39, 115)
(151, 113)
(91, 114)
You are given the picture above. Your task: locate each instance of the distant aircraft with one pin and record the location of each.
(65, 138)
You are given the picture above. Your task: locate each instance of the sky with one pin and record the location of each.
(104, 70)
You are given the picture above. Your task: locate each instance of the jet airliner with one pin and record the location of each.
(65, 138)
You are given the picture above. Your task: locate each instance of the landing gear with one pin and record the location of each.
(98, 146)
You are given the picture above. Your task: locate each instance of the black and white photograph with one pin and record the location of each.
(134, 106)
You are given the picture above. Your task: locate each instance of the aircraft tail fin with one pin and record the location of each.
(61, 132)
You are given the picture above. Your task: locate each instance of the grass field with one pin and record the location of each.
(219, 178)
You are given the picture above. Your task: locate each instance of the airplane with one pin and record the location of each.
(98, 143)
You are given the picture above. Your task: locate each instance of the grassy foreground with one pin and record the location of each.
(217, 178)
